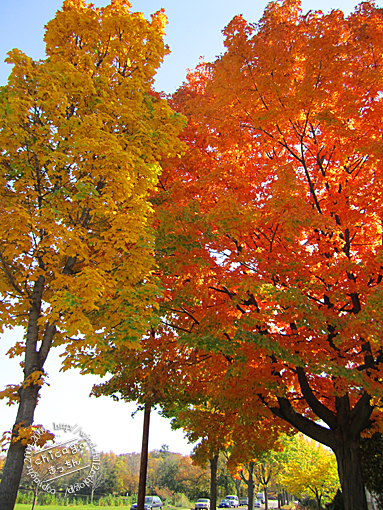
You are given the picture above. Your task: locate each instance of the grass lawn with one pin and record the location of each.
(81, 507)
(78, 507)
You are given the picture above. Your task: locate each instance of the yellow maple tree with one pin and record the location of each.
(81, 137)
(309, 469)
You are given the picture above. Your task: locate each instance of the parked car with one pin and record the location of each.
(243, 501)
(202, 504)
(151, 503)
(225, 503)
(257, 503)
(234, 501)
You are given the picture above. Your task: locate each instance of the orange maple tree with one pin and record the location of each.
(150, 376)
(187, 383)
(271, 243)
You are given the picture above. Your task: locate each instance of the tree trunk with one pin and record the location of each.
(213, 482)
(250, 486)
(237, 487)
(34, 498)
(144, 459)
(34, 359)
(350, 474)
(341, 433)
(14, 463)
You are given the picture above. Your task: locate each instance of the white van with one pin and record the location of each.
(234, 501)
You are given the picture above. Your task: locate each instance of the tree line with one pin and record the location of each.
(300, 468)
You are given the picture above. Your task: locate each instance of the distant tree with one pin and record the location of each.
(194, 480)
(309, 469)
(164, 493)
(225, 480)
(43, 473)
(133, 464)
(96, 482)
(168, 471)
(264, 470)
(164, 450)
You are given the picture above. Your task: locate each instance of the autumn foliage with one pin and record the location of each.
(268, 230)
(81, 138)
(271, 246)
(309, 470)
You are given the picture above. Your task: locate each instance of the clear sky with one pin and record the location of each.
(194, 30)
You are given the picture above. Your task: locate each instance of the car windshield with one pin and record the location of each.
(148, 500)
(204, 500)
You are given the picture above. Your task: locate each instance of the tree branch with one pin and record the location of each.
(319, 409)
(286, 412)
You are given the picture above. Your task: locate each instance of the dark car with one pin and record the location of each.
(151, 503)
(224, 504)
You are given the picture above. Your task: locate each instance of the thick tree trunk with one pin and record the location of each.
(11, 476)
(144, 459)
(348, 458)
(250, 486)
(14, 463)
(341, 433)
(213, 482)
(345, 444)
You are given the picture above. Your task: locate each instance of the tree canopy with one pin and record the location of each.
(81, 138)
(309, 469)
(272, 241)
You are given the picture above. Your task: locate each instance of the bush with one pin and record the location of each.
(24, 498)
(111, 500)
(309, 503)
(179, 500)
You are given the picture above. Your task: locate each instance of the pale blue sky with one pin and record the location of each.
(194, 29)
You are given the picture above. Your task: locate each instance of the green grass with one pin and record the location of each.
(79, 507)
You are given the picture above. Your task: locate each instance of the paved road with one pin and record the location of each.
(273, 503)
